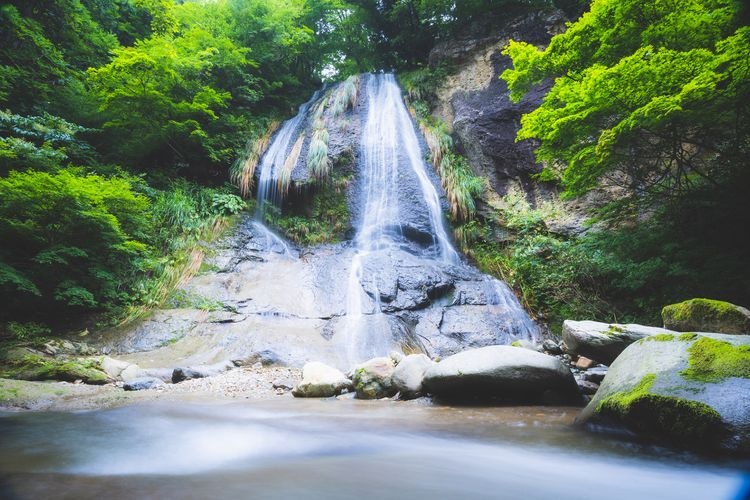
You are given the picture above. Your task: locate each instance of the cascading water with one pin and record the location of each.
(271, 167)
(391, 157)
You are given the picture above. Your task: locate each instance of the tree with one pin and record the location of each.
(652, 94)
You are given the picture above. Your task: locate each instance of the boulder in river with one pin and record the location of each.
(142, 384)
(408, 375)
(321, 381)
(202, 371)
(603, 342)
(691, 389)
(706, 315)
(502, 373)
(373, 379)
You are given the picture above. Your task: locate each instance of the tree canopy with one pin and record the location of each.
(654, 93)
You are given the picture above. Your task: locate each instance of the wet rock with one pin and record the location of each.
(408, 375)
(603, 342)
(142, 384)
(551, 347)
(501, 373)
(706, 315)
(587, 387)
(321, 381)
(114, 367)
(202, 371)
(266, 357)
(595, 374)
(687, 389)
(373, 379)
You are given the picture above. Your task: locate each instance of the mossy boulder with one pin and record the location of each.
(373, 379)
(690, 390)
(706, 315)
(27, 364)
(603, 342)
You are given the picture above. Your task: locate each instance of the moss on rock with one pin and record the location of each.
(37, 367)
(662, 337)
(686, 337)
(706, 315)
(666, 416)
(714, 360)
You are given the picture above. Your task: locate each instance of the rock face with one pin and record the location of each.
(476, 103)
(321, 381)
(689, 389)
(706, 315)
(603, 342)
(408, 375)
(502, 373)
(373, 379)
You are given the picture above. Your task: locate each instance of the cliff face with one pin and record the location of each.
(475, 102)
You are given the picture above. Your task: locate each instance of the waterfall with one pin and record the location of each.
(389, 134)
(271, 168)
(272, 163)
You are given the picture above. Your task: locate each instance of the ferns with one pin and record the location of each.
(243, 170)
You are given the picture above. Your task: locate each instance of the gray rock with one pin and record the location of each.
(595, 374)
(321, 381)
(284, 384)
(502, 373)
(142, 384)
(201, 371)
(551, 347)
(603, 342)
(653, 389)
(408, 375)
(373, 379)
(587, 387)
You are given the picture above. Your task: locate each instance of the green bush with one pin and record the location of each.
(77, 240)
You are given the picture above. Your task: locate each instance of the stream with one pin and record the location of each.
(332, 449)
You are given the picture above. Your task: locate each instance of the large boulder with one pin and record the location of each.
(706, 315)
(691, 389)
(408, 375)
(502, 373)
(373, 378)
(603, 342)
(321, 381)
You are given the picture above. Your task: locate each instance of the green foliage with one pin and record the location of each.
(657, 91)
(29, 331)
(75, 239)
(714, 360)
(40, 143)
(325, 219)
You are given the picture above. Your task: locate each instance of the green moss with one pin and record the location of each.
(187, 299)
(686, 337)
(516, 343)
(714, 360)
(705, 315)
(37, 367)
(666, 416)
(661, 337)
(613, 329)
